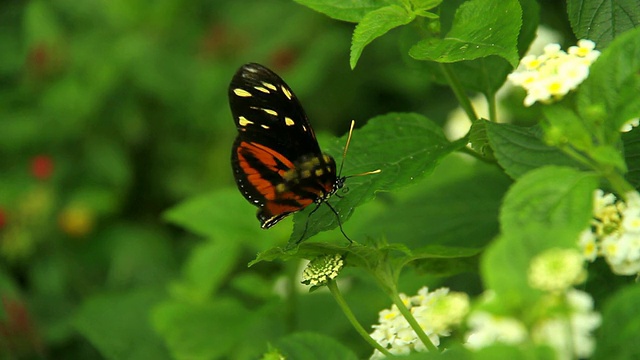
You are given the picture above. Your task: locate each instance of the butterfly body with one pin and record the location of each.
(276, 159)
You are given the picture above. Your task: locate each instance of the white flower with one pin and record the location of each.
(436, 312)
(630, 124)
(550, 76)
(556, 269)
(487, 329)
(589, 245)
(570, 333)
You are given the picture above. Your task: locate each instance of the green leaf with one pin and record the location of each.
(546, 208)
(210, 215)
(207, 267)
(488, 74)
(201, 331)
(546, 198)
(565, 127)
(602, 20)
(375, 24)
(610, 91)
(313, 346)
(118, 325)
(451, 208)
(620, 326)
(345, 10)
(631, 142)
(481, 28)
(404, 146)
(520, 149)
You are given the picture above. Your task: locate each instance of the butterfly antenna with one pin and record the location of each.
(346, 146)
(344, 155)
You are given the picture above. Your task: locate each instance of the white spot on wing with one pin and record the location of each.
(270, 86)
(242, 92)
(243, 121)
(265, 126)
(286, 92)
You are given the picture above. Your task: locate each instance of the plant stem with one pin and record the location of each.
(619, 183)
(458, 90)
(412, 322)
(333, 287)
(491, 101)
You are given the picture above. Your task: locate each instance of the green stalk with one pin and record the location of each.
(412, 322)
(458, 90)
(491, 101)
(333, 287)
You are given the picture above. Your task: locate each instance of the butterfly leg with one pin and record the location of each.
(339, 222)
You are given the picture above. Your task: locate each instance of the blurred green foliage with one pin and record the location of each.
(115, 127)
(111, 112)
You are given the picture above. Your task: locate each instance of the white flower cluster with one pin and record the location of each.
(436, 312)
(568, 332)
(614, 233)
(553, 74)
(556, 270)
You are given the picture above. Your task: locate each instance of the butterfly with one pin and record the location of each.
(276, 160)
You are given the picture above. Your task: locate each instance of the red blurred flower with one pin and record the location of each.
(3, 218)
(17, 330)
(283, 59)
(42, 167)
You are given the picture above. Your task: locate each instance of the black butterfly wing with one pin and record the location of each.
(265, 110)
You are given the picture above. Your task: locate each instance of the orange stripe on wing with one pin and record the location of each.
(275, 208)
(267, 157)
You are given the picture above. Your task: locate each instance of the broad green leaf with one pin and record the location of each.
(127, 267)
(404, 146)
(631, 142)
(119, 325)
(201, 331)
(313, 346)
(452, 208)
(481, 28)
(608, 97)
(564, 127)
(488, 74)
(546, 208)
(602, 20)
(551, 198)
(620, 326)
(206, 269)
(215, 215)
(520, 149)
(345, 10)
(375, 24)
